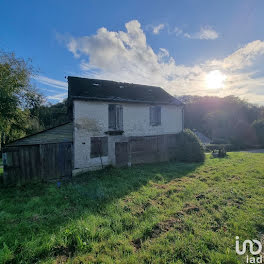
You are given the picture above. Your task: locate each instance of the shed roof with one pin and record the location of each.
(59, 134)
(103, 90)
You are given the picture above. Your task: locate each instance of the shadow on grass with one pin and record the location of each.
(37, 211)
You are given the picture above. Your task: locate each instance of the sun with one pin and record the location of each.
(215, 79)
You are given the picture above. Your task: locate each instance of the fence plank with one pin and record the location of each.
(37, 163)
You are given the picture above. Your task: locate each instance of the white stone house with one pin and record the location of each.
(105, 113)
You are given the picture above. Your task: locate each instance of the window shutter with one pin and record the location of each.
(151, 111)
(112, 116)
(158, 115)
(115, 117)
(120, 120)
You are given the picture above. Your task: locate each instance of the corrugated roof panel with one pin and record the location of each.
(59, 134)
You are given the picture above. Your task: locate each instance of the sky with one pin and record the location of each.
(213, 48)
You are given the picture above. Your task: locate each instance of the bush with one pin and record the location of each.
(227, 147)
(189, 147)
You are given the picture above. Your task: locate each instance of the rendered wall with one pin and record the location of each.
(91, 119)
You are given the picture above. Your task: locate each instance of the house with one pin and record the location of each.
(111, 123)
(107, 116)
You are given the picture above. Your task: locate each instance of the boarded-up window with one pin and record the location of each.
(99, 147)
(155, 115)
(115, 117)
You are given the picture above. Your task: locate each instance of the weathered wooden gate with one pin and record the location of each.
(121, 153)
(35, 163)
(146, 149)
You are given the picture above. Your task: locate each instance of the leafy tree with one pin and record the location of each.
(52, 115)
(17, 97)
(225, 120)
(258, 125)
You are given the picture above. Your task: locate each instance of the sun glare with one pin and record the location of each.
(215, 79)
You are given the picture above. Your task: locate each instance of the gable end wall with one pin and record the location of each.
(90, 119)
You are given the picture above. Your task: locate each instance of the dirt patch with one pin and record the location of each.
(61, 259)
(139, 211)
(160, 186)
(137, 243)
(62, 253)
(190, 208)
(164, 226)
(203, 179)
(172, 191)
(157, 230)
(200, 197)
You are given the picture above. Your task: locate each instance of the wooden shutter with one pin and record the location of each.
(151, 115)
(99, 147)
(112, 116)
(158, 113)
(115, 117)
(119, 117)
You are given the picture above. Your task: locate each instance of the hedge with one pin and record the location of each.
(189, 147)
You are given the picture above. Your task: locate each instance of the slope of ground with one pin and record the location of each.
(162, 213)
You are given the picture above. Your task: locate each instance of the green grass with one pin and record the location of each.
(162, 213)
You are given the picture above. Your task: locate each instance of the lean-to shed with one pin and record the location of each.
(44, 156)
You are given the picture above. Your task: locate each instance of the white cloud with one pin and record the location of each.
(204, 33)
(244, 56)
(157, 29)
(126, 56)
(58, 97)
(177, 31)
(51, 82)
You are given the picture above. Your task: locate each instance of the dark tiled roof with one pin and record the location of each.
(102, 90)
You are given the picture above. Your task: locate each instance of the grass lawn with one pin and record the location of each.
(162, 213)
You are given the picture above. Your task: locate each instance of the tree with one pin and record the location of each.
(53, 115)
(17, 97)
(225, 120)
(258, 125)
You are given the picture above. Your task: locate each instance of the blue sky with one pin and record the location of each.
(187, 47)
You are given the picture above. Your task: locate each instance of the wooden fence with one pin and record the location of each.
(36, 163)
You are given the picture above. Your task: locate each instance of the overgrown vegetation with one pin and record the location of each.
(189, 147)
(259, 128)
(17, 98)
(1, 169)
(23, 110)
(163, 213)
(227, 120)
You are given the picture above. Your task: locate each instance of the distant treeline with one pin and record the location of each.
(228, 120)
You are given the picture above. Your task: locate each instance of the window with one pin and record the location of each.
(155, 115)
(115, 117)
(99, 147)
